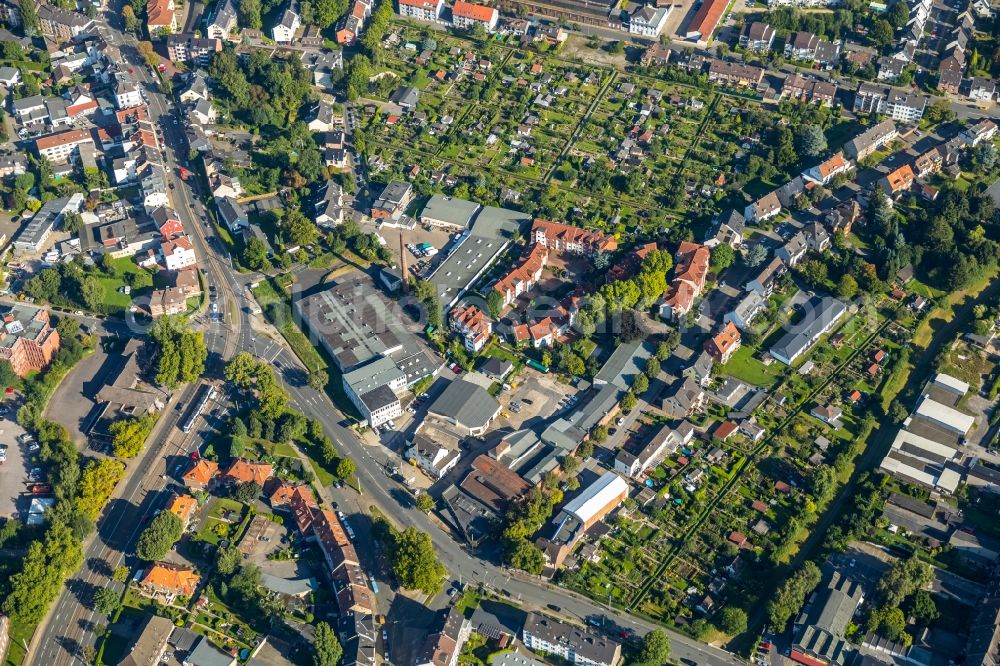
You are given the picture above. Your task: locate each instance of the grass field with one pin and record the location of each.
(745, 367)
(925, 330)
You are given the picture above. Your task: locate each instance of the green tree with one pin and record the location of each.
(527, 557)
(640, 384)
(898, 14)
(599, 434)
(345, 469)
(249, 14)
(733, 620)
(847, 287)
(121, 573)
(318, 380)
(415, 563)
(655, 650)
(45, 566)
(425, 502)
(129, 435)
(723, 257)
(8, 378)
(327, 650)
(922, 608)
(161, 535)
(181, 352)
(790, 597)
(227, 560)
(256, 256)
(494, 301)
(893, 624)
(326, 12)
(106, 601)
(29, 17)
(811, 140)
(628, 401)
(756, 255)
(97, 482)
(246, 493)
(72, 222)
(881, 33)
(903, 578)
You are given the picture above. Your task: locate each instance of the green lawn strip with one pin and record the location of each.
(20, 635)
(279, 313)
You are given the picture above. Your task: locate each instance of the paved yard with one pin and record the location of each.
(72, 404)
(537, 397)
(13, 473)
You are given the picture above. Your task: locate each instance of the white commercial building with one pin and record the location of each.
(945, 416)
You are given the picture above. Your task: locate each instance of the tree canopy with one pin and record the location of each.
(415, 563)
(181, 352)
(161, 535)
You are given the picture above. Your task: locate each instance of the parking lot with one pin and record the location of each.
(72, 403)
(14, 470)
(533, 396)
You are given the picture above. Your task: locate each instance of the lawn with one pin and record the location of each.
(745, 367)
(20, 635)
(216, 528)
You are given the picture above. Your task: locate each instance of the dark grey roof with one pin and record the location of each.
(734, 220)
(496, 367)
(378, 398)
(820, 313)
(206, 654)
(149, 644)
(625, 364)
(466, 403)
(406, 96)
(821, 629)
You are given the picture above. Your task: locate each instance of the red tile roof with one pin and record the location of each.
(201, 472)
(243, 471)
(470, 11)
(707, 18)
(725, 430)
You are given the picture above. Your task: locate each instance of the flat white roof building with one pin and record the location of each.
(594, 501)
(952, 384)
(945, 416)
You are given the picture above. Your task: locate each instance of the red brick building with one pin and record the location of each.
(27, 340)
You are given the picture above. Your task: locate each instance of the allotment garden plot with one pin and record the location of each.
(642, 127)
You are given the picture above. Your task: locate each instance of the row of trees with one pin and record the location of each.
(792, 594)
